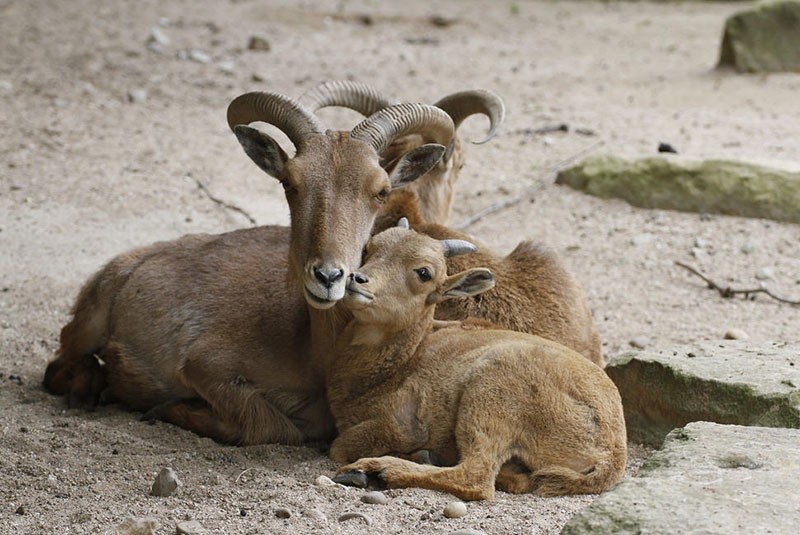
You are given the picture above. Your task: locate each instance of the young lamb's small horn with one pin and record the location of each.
(403, 223)
(457, 247)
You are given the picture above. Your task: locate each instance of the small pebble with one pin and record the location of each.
(642, 239)
(137, 526)
(698, 252)
(735, 334)
(190, 527)
(765, 273)
(164, 22)
(640, 342)
(20, 510)
(5, 85)
(258, 42)
(455, 510)
(468, 532)
(258, 77)
(666, 147)
(324, 481)
(315, 514)
(199, 56)
(227, 67)
(158, 37)
(137, 96)
(166, 483)
(350, 516)
(548, 141)
(375, 498)
(748, 248)
(283, 512)
(700, 242)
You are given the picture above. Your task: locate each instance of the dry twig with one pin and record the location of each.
(224, 204)
(728, 292)
(548, 174)
(243, 472)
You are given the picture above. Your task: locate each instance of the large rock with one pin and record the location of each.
(708, 478)
(730, 382)
(763, 39)
(714, 186)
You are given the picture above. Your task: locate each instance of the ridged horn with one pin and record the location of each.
(457, 247)
(278, 110)
(362, 98)
(381, 128)
(461, 105)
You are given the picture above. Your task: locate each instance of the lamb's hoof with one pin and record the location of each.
(153, 415)
(352, 478)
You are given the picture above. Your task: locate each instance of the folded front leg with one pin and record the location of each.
(469, 480)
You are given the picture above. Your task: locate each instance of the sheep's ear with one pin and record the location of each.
(465, 284)
(415, 163)
(262, 149)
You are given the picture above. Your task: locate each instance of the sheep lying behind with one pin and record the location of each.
(434, 189)
(476, 398)
(535, 293)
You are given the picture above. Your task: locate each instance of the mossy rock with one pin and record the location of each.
(712, 186)
(763, 39)
(731, 382)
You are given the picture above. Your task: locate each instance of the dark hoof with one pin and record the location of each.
(352, 478)
(152, 416)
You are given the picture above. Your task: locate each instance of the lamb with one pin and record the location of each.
(434, 190)
(496, 406)
(224, 335)
(535, 293)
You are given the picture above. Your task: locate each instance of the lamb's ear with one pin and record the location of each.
(262, 149)
(465, 284)
(415, 163)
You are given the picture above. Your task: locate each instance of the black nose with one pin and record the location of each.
(328, 276)
(359, 278)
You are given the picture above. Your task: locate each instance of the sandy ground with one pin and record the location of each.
(86, 174)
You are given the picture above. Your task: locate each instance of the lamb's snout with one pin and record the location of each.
(355, 292)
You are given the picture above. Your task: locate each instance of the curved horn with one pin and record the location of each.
(278, 110)
(461, 105)
(362, 98)
(381, 128)
(457, 247)
(402, 223)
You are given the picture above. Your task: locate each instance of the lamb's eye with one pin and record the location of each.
(382, 195)
(424, 274)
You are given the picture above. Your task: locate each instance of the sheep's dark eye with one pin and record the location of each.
(424, 274)
(382, 195)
